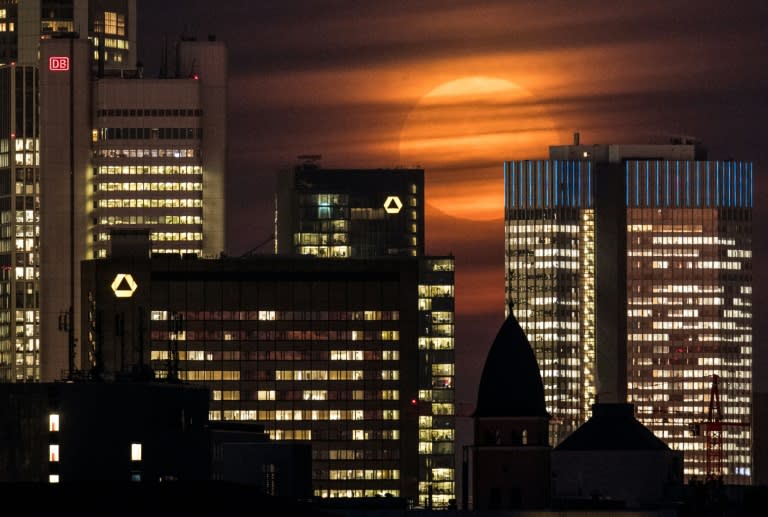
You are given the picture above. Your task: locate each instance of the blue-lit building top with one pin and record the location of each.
(648, 183)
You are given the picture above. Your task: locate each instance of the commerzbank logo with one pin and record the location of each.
(393, 205)
(124, 285)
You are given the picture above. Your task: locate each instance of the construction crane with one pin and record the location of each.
(713, 432)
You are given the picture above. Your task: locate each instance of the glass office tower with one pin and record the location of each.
(550, 244)
(350, 212)
(19, 224)
(436, 394)
(681, 311)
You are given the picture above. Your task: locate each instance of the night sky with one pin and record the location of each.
(457, 87)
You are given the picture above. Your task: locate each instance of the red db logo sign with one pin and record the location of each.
(58, 63)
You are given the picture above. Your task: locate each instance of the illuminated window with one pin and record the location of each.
(135, 452)
(390, 375)
(53, 422)
(315, 395)
(265, 395)
(114, 23)
(53, 453)
(53, 478)
(390, 395)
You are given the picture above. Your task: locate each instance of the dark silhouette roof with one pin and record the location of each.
(612, 427)
(511, 383)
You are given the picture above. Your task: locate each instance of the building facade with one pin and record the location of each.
(630, 269)
(363, 213)
(124, 151)
(110, 27)
(354, 355)
(19, 224)
(78, 432)
(349, 213)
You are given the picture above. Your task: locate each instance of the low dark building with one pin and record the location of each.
(243, 453)
(87, 431)
(614, 458)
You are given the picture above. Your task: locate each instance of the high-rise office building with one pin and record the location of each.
(122, 150)
(349, 213)
(629, 267)
(111, 28)
(19, 224)
(356, 213)
(355, 355)
(110, 25)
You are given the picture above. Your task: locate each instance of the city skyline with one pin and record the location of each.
(321, 80)
(595, 171)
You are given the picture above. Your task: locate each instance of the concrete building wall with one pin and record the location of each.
(28, 31)
(610, 285)
(65, 187)
(206, 62)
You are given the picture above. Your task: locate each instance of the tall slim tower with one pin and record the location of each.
(121, 150)
(629, 266)
(110, 28)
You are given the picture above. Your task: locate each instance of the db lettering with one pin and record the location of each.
(58, 63)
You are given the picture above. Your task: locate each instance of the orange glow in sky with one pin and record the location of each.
(461, 132)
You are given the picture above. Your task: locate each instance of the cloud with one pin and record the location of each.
(341, 78)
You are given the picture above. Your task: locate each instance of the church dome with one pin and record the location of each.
(511, 384)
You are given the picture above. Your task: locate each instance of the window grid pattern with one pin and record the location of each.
(144, 180)
(689, 318)
(688, 286)
(20, 227)
(436, 396)
(550, 286)
(332, 377)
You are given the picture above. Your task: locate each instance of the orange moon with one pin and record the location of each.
(462, 131)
